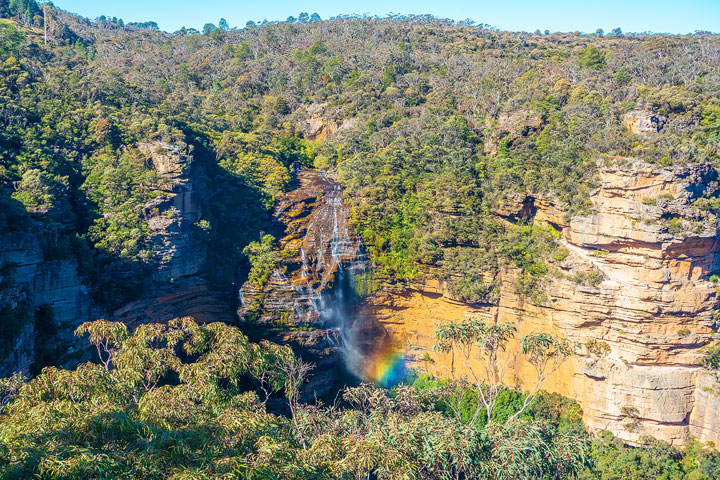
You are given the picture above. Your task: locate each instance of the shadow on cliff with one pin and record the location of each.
(238, 214)
(112, 280)
(13, 218)
(39, 249)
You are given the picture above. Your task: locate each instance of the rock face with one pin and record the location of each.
(307, 299)
(32, 288)
(643, 122)
(640, 325)
(172, 214)
(322, 122)
(50, 300)
(178, 289)
(513, 125)
(316, 243)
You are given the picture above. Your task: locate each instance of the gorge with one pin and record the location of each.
(641, 326)
(283, 250)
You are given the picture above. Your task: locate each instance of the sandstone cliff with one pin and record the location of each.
(641, 324)
(49, 299)
(178, 288)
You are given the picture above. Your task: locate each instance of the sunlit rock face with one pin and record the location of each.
(317, 243)
(640, 328)
(319, 121)
(643, 122)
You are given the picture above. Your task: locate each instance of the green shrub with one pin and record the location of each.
(593, 278)
(592, 57)
(649, 201)
(710, 357)
(263, 260)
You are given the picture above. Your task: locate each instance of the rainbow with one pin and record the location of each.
(386, 368)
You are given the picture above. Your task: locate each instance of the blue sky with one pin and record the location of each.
(672, 16)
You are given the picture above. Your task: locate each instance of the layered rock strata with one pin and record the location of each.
(177, 289)
(306, 303)
(316, 242)
(642, 323)
(50, 299)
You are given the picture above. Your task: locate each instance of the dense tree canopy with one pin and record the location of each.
(187, 401)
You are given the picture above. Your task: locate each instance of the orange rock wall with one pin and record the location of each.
(653, 308)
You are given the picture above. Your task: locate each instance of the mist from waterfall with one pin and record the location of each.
(366, 357)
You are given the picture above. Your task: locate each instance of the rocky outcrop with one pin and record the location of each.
(512, 125)
(643, 122)
(641, 324)
(177, 289)
(320, 123)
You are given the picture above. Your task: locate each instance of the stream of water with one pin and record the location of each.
(369, 358)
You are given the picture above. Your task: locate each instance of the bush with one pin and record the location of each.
(710, 357)
(593, 278)
(263, 260)
(592, 57)
(40, 191)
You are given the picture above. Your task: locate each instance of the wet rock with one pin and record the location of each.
(317, 242)
(308, 299)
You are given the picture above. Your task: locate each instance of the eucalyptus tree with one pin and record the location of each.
(482, 347)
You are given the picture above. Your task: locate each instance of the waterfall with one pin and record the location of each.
(366, 348)
(303, 257)
(321, 287)
(337, 307)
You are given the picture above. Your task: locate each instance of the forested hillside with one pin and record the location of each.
(432, 127)
(437, 124)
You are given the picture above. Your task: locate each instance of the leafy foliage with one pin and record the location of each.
(710, 358)
(180, 401)
(543, 351)
(263, 260)
(652, 459)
